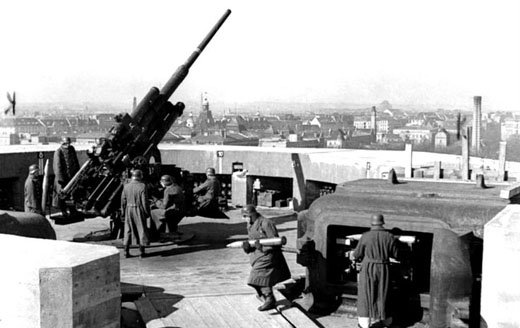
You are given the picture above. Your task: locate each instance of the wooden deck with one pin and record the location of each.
(202, 283)
(233, 311)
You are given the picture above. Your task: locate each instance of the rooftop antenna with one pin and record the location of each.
(12, 103)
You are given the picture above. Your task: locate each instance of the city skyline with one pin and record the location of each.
(432, 55)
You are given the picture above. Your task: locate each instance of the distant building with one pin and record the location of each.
(389, 138)
(183, 131)
(205, 120)
(225, 138)
(293, 141)
(359, 138)
(337, 139)
(441, 139)
(21, 125)
(416, 135)
(510, 127)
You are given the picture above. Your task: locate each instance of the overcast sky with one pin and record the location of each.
(426, 53)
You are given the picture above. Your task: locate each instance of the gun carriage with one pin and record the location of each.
(440, 227)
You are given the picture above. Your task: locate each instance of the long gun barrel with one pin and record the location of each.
(176, 79)
(134, 139)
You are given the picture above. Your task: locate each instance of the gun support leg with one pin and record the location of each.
(116, 226)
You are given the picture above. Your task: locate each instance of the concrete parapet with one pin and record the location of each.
(54, 284)
(500, 299)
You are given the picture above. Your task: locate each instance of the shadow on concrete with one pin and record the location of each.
(155, 304)
(214, 235)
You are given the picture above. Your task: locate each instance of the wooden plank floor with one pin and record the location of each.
(226, 311)
(202, 283)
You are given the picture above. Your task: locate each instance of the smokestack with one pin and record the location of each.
(477, 116)
(374, 123)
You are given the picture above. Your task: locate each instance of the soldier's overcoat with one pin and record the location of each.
(268, 267)
(208, 193)
(135, 210)
(65, 165)
(33, 194)
(171, 207)
(375, 248)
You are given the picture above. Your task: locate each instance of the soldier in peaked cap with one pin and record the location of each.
(374, 250)
(268, 263)
(33, 191)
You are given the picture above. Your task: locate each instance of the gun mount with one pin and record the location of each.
(440, 228)
(130, 143)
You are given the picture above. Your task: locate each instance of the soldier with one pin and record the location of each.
(33, 191)
(208, 193)
(134, 211)
(171, 208)
(374, 250)
(65, 165)
(268, 263)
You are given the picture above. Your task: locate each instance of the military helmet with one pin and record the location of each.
(137, 174)
(33, 168)
(167, 179)
(210, 171)
(248, 210)
(377, 220)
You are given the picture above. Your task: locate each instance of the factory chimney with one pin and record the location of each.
(475, 133)
(374, 123)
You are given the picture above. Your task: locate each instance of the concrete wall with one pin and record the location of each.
(299, 164)
(14, 162)
(500, 301)
(58, 284)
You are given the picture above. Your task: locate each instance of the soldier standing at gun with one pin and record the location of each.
(134, 211)
(268, 263)
(208, 192)
(65, 165)
(33, 191)
(171, 208)
(374, 250)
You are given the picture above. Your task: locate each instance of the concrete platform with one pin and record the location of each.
(57, 284)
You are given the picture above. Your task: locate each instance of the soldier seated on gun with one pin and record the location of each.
(208, 192)
(170, 209)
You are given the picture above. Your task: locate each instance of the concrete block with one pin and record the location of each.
(500, 269)
(239, 188)
(511, 191)
(49, 283)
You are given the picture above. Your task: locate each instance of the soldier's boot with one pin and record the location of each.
(387, 322)
(269, 303)
(127, 252)
(141, 249)
(260, 297)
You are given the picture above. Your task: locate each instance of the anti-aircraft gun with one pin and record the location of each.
(131, 143)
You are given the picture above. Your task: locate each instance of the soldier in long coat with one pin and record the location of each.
(134, 211)
(171, 208)
(65, 165)
(33, 191)
(374, 250)
(208, 194)
(268, 263)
